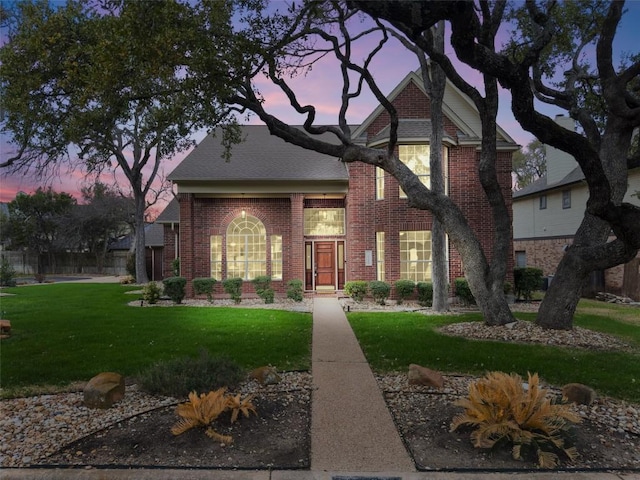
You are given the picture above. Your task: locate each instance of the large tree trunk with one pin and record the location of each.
(141, 261)
(589, 251)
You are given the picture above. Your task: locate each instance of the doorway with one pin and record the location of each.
(324, 265)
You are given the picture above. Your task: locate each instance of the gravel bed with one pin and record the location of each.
(529, 332)
(33, 428)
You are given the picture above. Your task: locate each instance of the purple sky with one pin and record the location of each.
(322, 89)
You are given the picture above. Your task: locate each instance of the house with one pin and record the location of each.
(154, 251)
(277, 209)
(548, 212)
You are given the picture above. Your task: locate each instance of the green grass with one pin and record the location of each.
(63, 333)
(393, 341)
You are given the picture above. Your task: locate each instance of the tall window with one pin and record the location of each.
(246, 248)
(276, 257)
(379, 183)
(416, 157)
(566, 199)
(380, 270)
(415, 256)
(216, 256)
(324, 221)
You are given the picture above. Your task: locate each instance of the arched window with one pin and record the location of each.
(246, 248)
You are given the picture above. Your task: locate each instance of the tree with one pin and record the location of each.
(108, 84)
(39, 222)
(530, 164)
(105, 215)
(309, 36)
(555, 34)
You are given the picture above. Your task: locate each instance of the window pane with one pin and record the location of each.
(379, 183)
(324, 221)
(566, 199)
(216, 256)
(416, 157)
(415, 256)
(543, 202)
(380, 270)
(246, 248)
(276, 257)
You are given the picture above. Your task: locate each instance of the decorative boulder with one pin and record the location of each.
(103, 390)
(424, 376)
(265, 375)
(578, 393)
(5, 328)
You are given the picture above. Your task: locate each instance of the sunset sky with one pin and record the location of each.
(322, 89)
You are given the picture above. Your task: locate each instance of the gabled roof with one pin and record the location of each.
(153, 237)
(261, 157)
(574, 176)
(171, 213)
(456, 106)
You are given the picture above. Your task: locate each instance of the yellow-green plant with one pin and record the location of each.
(501, 409)
(201, 411)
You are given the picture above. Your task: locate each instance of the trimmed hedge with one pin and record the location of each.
(262, 285)
(404, 289)
(204, 286)
(380, 291)
(527, 280)
(233, 286)
(464, 292)
(425, 294)
(174, 288)
(294, 290)
(356, 289)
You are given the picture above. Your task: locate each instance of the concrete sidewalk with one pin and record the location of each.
(351, 427)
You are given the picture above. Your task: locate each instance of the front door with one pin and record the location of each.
(325, 264)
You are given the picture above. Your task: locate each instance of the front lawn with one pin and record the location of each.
(69, 332)
(393, 341)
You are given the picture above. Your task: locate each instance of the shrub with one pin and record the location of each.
(175, 267)
(7, 274)
(501, 410)
(233, 286)
(294, 290)
(425, 294)
(262, 285)
(151, 293)
(380, 291)
(404, 289)
(526, 279)
(464, 292)
(179, 376)
(356, 289)
(204, 286)
(174, 288)
(127, 280)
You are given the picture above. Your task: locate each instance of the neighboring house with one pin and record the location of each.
(154, 250)
(277, 209)
(548, 212)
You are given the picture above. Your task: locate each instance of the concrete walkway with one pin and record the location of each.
(351, 427)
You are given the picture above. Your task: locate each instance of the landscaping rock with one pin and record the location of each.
(424, 376)
(265, 375)
(5, 328)
(103, 390)
(578, 393)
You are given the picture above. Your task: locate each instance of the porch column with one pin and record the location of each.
(296, 249)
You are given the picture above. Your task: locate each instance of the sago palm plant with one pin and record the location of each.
(501, 409)
(201, 411)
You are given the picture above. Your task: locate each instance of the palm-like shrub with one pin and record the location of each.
(501, 409)
(201, 411)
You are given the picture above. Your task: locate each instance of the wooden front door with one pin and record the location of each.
(325, 264)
